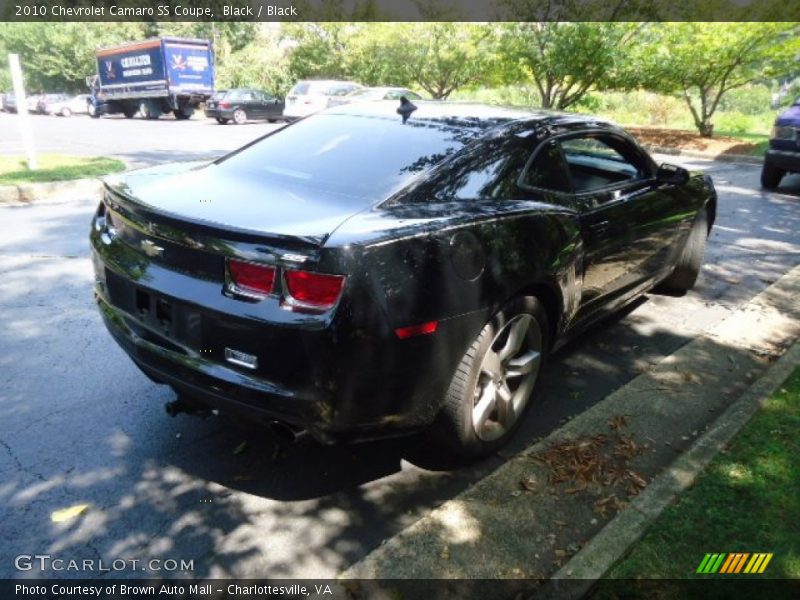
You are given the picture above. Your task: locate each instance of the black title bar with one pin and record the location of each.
(399, 10)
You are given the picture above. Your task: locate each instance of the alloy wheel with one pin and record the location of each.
(506, 378)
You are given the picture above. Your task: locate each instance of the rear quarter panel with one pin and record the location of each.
(444, 262)
(456, 265)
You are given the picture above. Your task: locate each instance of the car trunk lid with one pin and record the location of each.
(190, 217)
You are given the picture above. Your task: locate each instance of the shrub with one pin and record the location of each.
(748, 100)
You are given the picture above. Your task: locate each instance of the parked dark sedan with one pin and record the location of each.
(242, 105)
(361, 273)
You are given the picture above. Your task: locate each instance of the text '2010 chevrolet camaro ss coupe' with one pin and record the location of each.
(372, 270)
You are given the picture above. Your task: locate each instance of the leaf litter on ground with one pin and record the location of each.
(598, 462)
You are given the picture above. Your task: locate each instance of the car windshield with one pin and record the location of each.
(339, 89)
(300, 88)
(356, 156)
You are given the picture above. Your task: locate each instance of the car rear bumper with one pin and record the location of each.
(218, 113)
(788, 160)
(335, 382)
(215, 385)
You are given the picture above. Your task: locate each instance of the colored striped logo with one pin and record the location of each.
(735, 562)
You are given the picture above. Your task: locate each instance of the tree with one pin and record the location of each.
(701, 62)
(59, 56)
(261, 64)
(437, 57)
(565, 60)
(443, 57)
(318, 49)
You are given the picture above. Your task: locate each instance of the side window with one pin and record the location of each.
(597, 161)
(547, 170)
(260, 96)
(246, 97)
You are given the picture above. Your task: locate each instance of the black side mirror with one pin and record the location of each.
(668, 173)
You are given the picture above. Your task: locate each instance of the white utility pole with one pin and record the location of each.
(22, 111)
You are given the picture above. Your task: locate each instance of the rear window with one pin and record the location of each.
(240, 95)
(356, 156)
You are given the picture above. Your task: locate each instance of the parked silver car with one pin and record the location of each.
(64, 105)
(374, 94)
(307, 97)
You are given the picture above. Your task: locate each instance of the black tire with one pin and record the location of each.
(239, 116)
(222, 121)
(455, 426)
(272, 120)
(771, 176)
(183, 113)
(130, 113)
(684, 275)
(150, 110)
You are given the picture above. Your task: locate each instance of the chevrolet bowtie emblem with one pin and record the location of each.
(151, 249)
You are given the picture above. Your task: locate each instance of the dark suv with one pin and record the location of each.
(783, 155)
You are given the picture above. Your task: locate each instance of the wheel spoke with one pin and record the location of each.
(506, 415)
(516, 336)
(524, 365)
(483, 409)
(491, 364)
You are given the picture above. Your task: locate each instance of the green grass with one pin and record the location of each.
(55, 167)
(748, 500)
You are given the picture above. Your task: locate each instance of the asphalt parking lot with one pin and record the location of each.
(135, 141)
(81, 425)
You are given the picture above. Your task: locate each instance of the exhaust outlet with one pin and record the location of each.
(287, 433)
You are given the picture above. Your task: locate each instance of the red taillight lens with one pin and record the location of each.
(250, 277)
(224, 104)
(413, 330)
(313, 290)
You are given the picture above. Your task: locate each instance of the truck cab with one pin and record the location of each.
(783, 155)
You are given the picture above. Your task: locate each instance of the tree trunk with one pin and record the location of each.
(706, 128)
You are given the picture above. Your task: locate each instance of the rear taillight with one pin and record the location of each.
(314, 291)
(224, 104)
(251, 278)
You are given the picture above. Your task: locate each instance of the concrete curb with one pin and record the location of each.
(487, 532)
(28, 193)
(731, 158)
(607, 547)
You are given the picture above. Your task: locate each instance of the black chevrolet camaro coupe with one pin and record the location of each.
(372, 270)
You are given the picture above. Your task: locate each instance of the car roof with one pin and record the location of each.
(326, 81)
(472, 115)
(382, 88)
